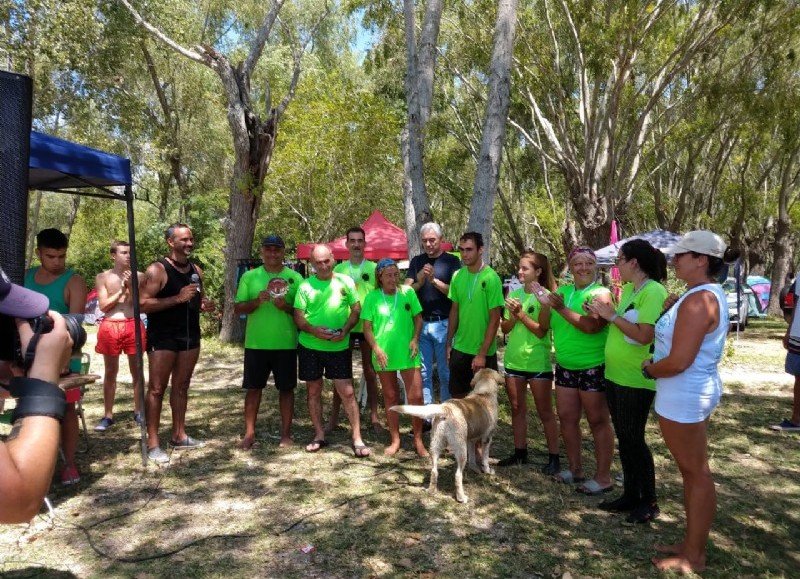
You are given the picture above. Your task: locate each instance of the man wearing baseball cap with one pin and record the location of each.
(28, 458)
(266, 296)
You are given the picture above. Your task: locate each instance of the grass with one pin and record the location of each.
(223, 512)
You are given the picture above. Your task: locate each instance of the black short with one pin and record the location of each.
(528, 376)
(335, 365)
(357, 337)
(172, 344)
(259, 364)
(461, 371)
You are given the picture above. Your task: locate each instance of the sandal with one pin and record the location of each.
(592, 488)
(360, 451)
(315, 445)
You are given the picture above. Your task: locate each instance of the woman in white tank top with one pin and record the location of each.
(688, 386)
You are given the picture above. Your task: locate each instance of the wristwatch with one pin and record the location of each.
(647, 374)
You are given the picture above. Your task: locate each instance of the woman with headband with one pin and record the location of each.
(527, 358)
(579, 338)
(690, 338)
(642, 269)
(392, 324)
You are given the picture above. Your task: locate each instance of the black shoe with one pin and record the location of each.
(520, 456)
(553, 466)
(643, 514)
(622, 504)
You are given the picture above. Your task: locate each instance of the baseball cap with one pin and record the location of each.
(273, 240)
(19, 302)
(700, 241)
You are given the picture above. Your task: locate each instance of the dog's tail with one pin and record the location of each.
(427, 411)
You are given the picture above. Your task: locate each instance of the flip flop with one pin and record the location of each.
(566, 477)
(315, 445)
(360, 451)
(593, 488)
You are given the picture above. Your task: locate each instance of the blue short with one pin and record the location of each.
(793, 364)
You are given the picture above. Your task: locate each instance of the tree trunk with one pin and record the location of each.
(415, 195)
(494, 126)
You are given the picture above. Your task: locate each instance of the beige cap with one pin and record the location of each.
(700, 241)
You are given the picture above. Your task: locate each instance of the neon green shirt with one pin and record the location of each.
(623, 356)
(268, 328)
(577, 350)
(326, 303)
(392, 320)
(525, 351)
(475, 294)
(363, 277)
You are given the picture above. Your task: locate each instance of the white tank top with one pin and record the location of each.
(702, 376)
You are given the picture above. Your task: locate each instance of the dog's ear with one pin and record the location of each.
(499, 378)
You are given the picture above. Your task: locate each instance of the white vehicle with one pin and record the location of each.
(738, 305)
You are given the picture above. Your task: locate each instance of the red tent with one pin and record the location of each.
(384, 239)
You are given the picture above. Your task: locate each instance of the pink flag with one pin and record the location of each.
(616, 283)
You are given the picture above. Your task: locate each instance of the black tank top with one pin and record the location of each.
(182, 321)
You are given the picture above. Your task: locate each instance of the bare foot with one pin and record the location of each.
(675, 549)
(422, 452)
(392, 449)
(247, 442)
(378, 429)
(285, 443)
(679, 563)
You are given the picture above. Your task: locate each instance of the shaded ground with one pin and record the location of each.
(223, 512)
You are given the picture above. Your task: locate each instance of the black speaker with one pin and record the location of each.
(15, 139)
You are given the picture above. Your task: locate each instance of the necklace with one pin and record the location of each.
(391, 309)
(177, 263)
(356, 276)
(579, 292)
(626, 304)
(471, 288)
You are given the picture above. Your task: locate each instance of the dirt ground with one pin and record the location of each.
(223, 512)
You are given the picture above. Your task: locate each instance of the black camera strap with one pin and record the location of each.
(27, 359)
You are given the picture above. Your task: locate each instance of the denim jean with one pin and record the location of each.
(432, 348)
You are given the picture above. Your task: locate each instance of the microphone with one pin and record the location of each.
(196, 279)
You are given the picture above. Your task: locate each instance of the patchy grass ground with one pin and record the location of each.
(223, 512)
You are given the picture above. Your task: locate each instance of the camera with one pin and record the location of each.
(10, 348)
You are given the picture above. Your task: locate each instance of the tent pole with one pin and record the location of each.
(137, 316)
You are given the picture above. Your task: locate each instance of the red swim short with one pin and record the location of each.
(117, 336)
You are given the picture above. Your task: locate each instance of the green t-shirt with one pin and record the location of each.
(623, 356)
(326, 303)
(392, 320)
(577, 350)
(525, 351)
(476, 294)
(363, 277)
(268, 328)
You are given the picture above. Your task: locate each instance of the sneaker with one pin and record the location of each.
(104, 424)
(157, 455)
(553, 466)
(519, 457)
(619, 505)
(186, 443)
(137, 418)
(643, 514)
(787, 426)
(70, 476)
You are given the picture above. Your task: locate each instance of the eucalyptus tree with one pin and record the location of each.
(253, 127)
(592, 76)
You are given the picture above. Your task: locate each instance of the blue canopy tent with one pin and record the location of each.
(61, 166)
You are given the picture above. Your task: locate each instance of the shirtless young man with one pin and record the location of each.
(117, 330)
